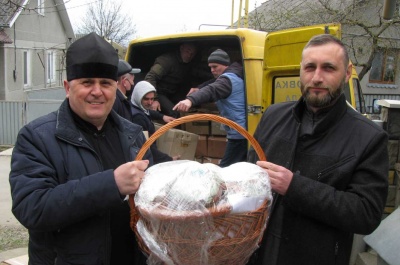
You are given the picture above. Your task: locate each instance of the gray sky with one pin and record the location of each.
(159, 17)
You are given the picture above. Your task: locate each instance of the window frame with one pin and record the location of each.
(26, 68)
(40, 7)
(384, 55)
(50, 66)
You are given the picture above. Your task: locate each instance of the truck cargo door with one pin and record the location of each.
(282, 56)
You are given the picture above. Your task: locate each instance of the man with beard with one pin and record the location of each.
(327, 165)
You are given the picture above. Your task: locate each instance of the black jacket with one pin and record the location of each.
(339, 185)
(123, 106)
(169, 74)
(60, 191)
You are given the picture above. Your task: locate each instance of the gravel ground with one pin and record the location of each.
(12, 237)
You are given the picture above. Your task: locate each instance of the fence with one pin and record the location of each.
(12, 118)
(370, 101)
(15, 114)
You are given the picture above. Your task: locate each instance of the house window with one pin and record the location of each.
(383, 69)
(40, 7)
(51, 73)
(26, 68)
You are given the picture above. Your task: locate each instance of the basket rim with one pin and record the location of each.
(163, 213)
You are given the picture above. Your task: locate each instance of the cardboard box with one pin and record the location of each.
(217, 129)
(199, 159)
(201, 149)
(198, 127)
(201, 127)
(212, 160)
(177, 142)
(216, 146)
(390, 115)
(157, 125)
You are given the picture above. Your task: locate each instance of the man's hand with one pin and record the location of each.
(128, 176)
(192, 90)
(183, 105)
(155, 105)
(177, 157)
(167, 119)
(279, 176)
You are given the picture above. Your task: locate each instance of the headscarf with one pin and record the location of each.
(141, 89)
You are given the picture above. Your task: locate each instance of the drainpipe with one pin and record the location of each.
(389, 6)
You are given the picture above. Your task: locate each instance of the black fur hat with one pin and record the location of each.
(91, 56)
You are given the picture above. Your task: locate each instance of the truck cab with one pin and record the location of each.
(271, 62)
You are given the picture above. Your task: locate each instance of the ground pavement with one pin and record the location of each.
(14, 256)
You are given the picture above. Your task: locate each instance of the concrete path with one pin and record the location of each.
(6, 217)
(13, 256)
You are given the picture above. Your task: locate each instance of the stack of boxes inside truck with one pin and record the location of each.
(203, 141)
(212, 137)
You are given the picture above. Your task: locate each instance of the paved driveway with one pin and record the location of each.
(6, 217)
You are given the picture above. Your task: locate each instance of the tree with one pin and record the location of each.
(106, 18)
(364, 31)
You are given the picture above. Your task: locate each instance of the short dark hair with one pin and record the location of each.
(323, 39)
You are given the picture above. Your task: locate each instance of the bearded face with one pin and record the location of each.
(323, 75)
(321, 100)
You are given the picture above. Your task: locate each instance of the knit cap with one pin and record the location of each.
(219, 56)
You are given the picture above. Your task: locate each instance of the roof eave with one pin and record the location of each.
(15, 15)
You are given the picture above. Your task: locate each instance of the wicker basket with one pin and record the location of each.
(240, 233)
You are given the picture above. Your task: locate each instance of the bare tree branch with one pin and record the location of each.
(364, 31)
(108, 19)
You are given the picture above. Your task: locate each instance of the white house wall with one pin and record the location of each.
(38, 34)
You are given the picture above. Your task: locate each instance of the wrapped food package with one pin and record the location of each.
(192, 213)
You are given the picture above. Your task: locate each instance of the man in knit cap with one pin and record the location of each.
(227, 90)
(71, 169)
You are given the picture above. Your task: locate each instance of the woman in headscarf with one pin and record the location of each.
(142, 97)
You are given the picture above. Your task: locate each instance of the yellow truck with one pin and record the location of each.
(271, 61)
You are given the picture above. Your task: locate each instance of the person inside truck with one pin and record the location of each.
(327, 163)
(142, 97)
(170, 74)
(71, 169)
(125, 83)
(227, 90)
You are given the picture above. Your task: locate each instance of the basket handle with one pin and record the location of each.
(196, 117)
(189, 118)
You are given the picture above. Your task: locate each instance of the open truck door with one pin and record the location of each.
(281, 68)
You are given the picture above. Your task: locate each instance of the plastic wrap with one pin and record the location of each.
(192, 213)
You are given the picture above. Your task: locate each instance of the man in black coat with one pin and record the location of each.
(125, 84)
(72, 169)
(170, 74)
(328, 166)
